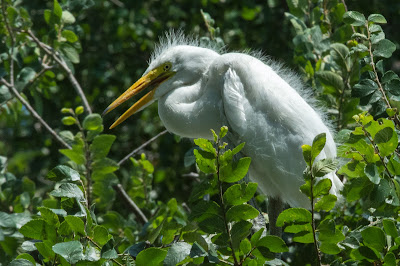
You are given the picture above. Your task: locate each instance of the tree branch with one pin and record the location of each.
(132, 205)
(61, 62)
(142, 146)
(34, 113)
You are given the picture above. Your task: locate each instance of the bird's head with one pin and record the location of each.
(174, 67)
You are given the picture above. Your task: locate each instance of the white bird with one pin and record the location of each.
(199, 89)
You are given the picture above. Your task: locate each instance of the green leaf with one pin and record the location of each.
(205, 145)
(324, 166)
(234, 172)
(390, 259)
(240, 231)
(71, 251)
(326, 203)
(238, 148)
(205, 161)
(331, 81)
(384, 48)
(371, 171)
(317, 145)
(241, 212)
(45, 249)
(255, 237)
(292, 216)
(239, 193)
(245, 246)
(329, 248)
(21, 262)
(328, 232)
(365, 253)
(374, 237)
(68, 190)
(63, 172)
(76, 224)
(100, 235)
(390, 228)
(108, 251)
(101, 145)
(273, 243)
(93, 122)
(67, 17)
(306, 153)
(377, 18)
(69, 36)
(197, 251)
(192, 237)
(24, 256)
(34, 229)
(322, 187)
(177, 253)
(68, 120)
(223, 132)
(57, 9)
(49, 216)
(354, 18)
(340, 54)
(24, 77)
(151, 256)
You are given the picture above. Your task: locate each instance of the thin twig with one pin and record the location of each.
(34, 113)
(312, 218)
(142, 146)
(131, 203)
(64, 66)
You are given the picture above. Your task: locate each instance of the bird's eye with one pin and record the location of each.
(167, 67)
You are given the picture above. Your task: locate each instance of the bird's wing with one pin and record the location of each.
(264, 111)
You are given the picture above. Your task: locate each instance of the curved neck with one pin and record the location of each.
(191, 111)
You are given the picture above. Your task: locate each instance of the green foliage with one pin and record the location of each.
(78, 215)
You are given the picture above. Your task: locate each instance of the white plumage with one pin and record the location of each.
(199, 89)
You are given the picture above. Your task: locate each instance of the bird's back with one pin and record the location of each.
(274, 120)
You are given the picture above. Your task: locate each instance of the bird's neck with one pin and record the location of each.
(191, 111)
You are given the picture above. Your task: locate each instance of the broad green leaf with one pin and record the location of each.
(104, 166)
(49, 216)
(273, 243)
(204, 210)
(353, 169)
(67, 17)
(76, 224)
(24, 256)
(68, 190)
(93, 122)
(305, 237)
(371, 171)
(239, 193)
(377, 18)
(326, 203)
(70, 52)
(331, 81)
(354, 18)
(108, 251)
(390, 259)
(306, 188)
(238, 148)
(245, 246)
(100, 235)
(322, 187)
(393, 87)
(365, 253)
(101, 145)
(384, 48)
(256, 236)
(151, 256)
(63, 172)
(197, 251)
(239, 231)
(205, 161)
(45, 249)
(135, 249)
(68, 120)
(293, 216)
(340, 54)
(57, 9)
(241, 212)
(64, 229)
(374, 237)
(328, 232)
(364, 88)
(236, 171)
(192, 237)
(71, 251)
(390, 228)
(205, 145)
(394, 165)
(306, 153)
(75, 154)
(69, 35)
(330, 248)
(317, 145)
(21, 262)
(177, 253)
(34, 229)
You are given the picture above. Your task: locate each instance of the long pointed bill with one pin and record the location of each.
(152, 79)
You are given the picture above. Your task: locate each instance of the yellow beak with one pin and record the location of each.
(151, 80)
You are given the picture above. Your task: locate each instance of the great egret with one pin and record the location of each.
(199, 89)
